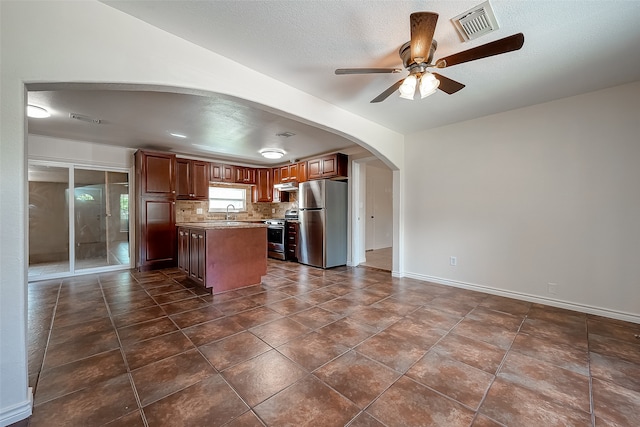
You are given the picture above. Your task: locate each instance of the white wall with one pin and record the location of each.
(545, 194)
(86, 153)
(70, 41)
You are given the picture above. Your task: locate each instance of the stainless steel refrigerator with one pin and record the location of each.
(322, 211)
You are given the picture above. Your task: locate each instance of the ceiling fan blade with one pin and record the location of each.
(448, 85)
(507, 44)
(367, 70)
(423, 25)
(384, 95)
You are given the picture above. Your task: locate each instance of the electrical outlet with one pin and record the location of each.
(552, 288)
(199, 211)
(273, 210)
(453, 261)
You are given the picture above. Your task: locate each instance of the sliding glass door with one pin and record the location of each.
(49, 251)
(78, 220)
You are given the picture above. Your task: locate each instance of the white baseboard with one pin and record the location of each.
(583, 308)
(17, 412)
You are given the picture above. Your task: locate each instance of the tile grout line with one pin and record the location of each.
(591, 401)
(499, 368)
(46, 347)
(124, 358)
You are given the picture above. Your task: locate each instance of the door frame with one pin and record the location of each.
(71, 167)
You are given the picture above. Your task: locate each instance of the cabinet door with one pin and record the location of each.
(314, 169)
(199, 180)
(284, 174)
(156, 173)
(197, 255)
(250, 175)
(329, 166)
(216, 172)
(183, 249)
(293, 172)
(264, 185)
(238, 174)
(302, 172)
(183, 181)
(334, 166)
(276, 176)
(158, 233)
(202, 258)
(227, 173)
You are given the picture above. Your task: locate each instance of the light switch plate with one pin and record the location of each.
(199, 211)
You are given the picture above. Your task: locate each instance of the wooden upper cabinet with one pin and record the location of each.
(200, 179)
(156, 173)
(314, 169)
(276, 176)
(183, 190)
(284, 174)
(245, 175)
(264, 185)
(219, 172)
(293, 172)
(327, 167)
(192, 179)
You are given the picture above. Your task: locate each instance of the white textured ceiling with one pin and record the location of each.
(570, 47)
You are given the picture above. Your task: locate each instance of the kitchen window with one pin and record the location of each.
(221, 197)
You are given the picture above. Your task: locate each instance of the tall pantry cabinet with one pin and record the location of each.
(155, 210)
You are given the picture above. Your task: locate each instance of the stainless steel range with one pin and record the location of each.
(275, 238)
(276, 234)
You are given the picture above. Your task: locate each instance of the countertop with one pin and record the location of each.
(222, 224)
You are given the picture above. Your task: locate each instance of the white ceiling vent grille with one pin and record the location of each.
(476, 22)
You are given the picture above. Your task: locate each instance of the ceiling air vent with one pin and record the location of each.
(476, 22)
(83, 118)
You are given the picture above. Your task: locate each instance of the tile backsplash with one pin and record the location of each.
(186, 210)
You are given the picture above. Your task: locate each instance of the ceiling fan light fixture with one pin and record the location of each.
(428, 84)
(408, 87)
(37, 112)
(272, 153)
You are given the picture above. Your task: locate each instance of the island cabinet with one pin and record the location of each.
(192, 179)
(220, 172)
(155, 209)
(333, 166)
(223, 257)
(191, 253)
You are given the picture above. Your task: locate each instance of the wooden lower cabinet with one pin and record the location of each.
(291, 241)
(222, 259)
(197, 255)
(192, 253)
(156, 234)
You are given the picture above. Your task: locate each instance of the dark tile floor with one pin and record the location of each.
(347, 346)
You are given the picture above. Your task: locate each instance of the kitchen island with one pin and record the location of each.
(223, 255)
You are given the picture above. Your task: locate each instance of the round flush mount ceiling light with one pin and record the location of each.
(37, 112)
(272, 153)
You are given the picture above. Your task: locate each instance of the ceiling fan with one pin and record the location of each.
(417, 55)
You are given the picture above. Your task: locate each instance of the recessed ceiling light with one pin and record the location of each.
(272, 153)
(177, 135)
(37, 112)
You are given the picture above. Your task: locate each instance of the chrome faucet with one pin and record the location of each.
(228, 210)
